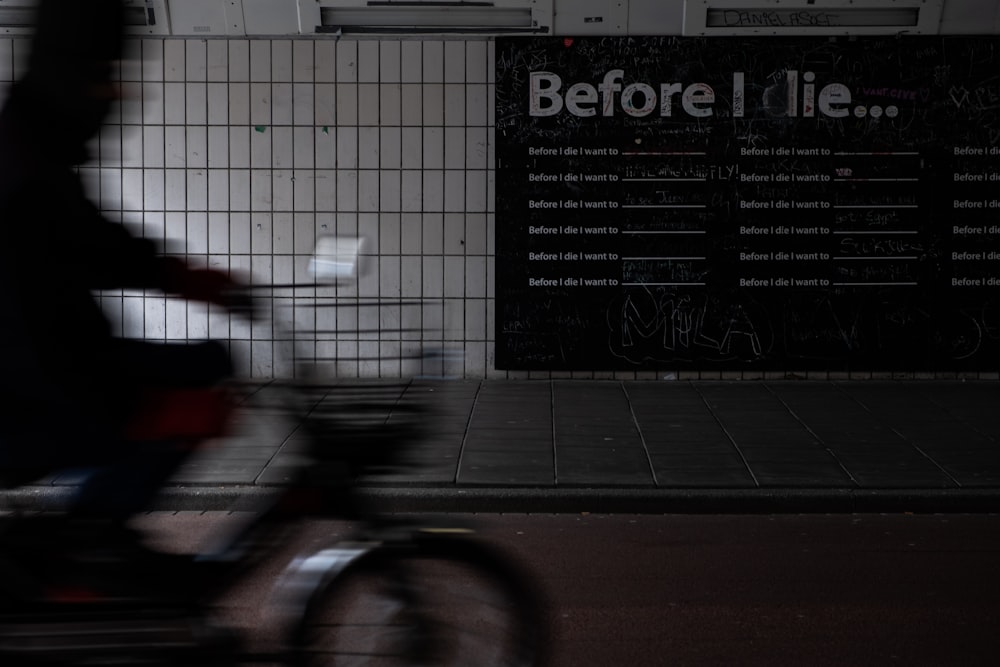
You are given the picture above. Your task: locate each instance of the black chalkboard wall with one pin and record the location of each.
(766, 203)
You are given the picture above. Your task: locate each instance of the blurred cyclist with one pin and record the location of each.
(72, 394)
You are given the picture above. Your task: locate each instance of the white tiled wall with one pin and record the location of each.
(242, 152)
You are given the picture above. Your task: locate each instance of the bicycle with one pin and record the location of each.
(397, 592)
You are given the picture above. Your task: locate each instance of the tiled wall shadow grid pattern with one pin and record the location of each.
(242, 152)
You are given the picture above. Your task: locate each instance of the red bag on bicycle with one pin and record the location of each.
(181, 413)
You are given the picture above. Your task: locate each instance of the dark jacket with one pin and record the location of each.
(67, 386)
(63, 372)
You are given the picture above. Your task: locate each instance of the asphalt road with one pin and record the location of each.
(642, 590)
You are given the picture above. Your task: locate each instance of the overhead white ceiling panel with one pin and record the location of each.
(484, 17)
(591, 17)
(146, 17)
(655, 17)
(811, 17)
(206, 17)
(970, 17)
(271, 17)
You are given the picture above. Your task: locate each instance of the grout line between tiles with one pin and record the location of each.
(642, 438)
(729, 435)
(806, 426)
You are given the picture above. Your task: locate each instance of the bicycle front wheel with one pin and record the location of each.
(440, 600)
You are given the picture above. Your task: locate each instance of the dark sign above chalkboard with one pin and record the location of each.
(770, 203)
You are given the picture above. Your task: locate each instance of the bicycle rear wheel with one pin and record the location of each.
(442, 600)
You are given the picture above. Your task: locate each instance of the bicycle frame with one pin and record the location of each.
(352, 429)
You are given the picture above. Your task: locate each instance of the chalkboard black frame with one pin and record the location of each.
(787, 204)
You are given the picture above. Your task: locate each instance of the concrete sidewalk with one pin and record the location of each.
(610, 446)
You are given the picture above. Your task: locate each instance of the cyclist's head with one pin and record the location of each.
(73, 62)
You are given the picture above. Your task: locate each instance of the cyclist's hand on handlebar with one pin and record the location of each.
(240, 300)
(209, 285)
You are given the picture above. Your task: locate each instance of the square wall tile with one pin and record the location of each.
(347, 61)
(303, 104)
(282, 104)
(260, 60)
(217, 60)
(368, 61)
(218, 147)
(325, 60)
(433, 62)
(174, 53)
(390, 61)
(218, 104)
(281, 60)
(239, 60)
(195, 60)
(303, 61)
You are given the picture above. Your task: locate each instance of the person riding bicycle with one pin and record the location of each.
(73, 395)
